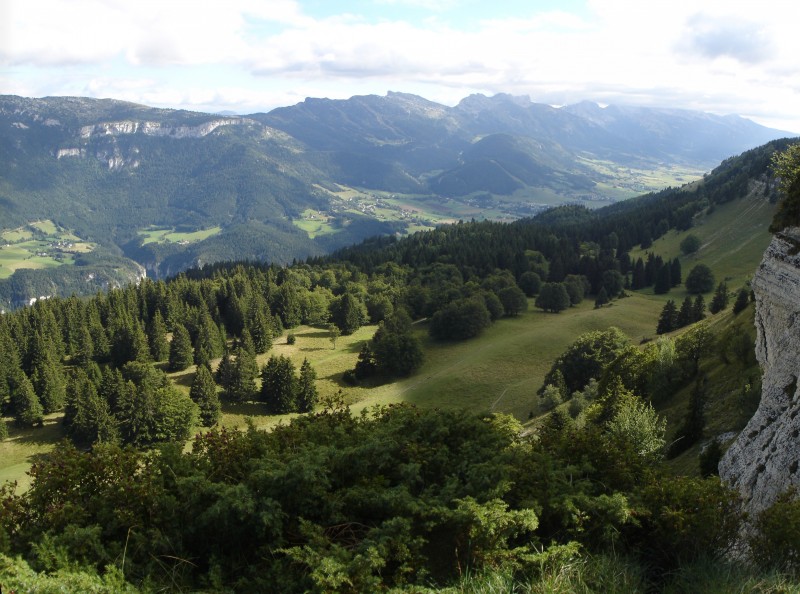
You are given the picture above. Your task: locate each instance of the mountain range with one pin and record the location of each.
(306, 179)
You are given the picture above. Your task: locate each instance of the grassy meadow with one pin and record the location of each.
(170, 235)
(733, 239)
(39, 245)
(502, 370)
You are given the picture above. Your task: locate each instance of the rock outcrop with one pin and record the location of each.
(764, 460)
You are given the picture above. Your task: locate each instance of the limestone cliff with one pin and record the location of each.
(763, 461)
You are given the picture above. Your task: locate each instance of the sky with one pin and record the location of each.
(247, 56)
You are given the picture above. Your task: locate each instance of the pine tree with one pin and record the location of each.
(306, 388)
(663, 281)
(88, 418)
(181, 353)
(48, 383)
(602, 298)
(157, 337)
(720, 299)
(204, 393)
(668, 320)
(259, 325)
(685, 315)
(675, 273)
(348, 313)
(742, 300)
(223, 374)
(241, 385)
(84, 348)
(208, 344)
(278, 386)
(28, 411)
(698, 309)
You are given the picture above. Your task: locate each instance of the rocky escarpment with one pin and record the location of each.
(764, 461)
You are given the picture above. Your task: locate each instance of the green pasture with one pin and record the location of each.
(733, 239)
(627, 182)
(170, 235)
(15, 235)
(47, 227)
(22, 247)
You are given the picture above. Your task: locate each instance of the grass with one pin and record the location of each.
(39, 245)
(169, 235)
(733, 239)
(23, 445)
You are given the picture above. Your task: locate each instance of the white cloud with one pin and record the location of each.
(728, 57)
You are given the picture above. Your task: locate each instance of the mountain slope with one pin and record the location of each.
(113, 172)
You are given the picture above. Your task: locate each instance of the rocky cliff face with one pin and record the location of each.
(763, 461)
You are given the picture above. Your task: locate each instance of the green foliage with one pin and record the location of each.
(530, 283)
(459, 320)
(553, 297)
(348, 313)
(709, 459)
(687, 518)
(668, 320)
(786, 165)
(88, 417)
(587, 358)
(16, 575)
(636, 425)
(28, 411)
(181, 352)
(742, 300)
(700, 279)
(204, 394)
(720, 300)
(306, 388)
(279, 385)
(151, 410)
(775, 542)
(690, 244)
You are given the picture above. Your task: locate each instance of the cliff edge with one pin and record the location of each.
(763, 461)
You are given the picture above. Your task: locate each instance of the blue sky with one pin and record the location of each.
(253, 55)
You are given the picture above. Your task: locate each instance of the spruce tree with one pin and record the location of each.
(685, 315)
(157, 337)
(663, 280)
(223, 373)
(204, 393)
(348, 313)
(675, 273)
(668, 320)
(241, 385)
(306, 388)
(84, 348)
(698, 309)
(742, 300)
(48, 383)
(602, 298)
(88, 418)
(181, 353)
(28, 411)
(720, 299)
(259, 324)
(278, 386)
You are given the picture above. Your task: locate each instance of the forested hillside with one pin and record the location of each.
(167, 190)
(401, 497)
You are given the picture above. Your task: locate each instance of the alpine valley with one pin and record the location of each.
(98, 193)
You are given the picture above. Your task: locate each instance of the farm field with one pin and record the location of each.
(38, 245)
(170, 235)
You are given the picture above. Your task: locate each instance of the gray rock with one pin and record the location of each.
(763, 461)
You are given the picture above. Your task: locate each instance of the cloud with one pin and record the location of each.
(713, 37)
(265, 52)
